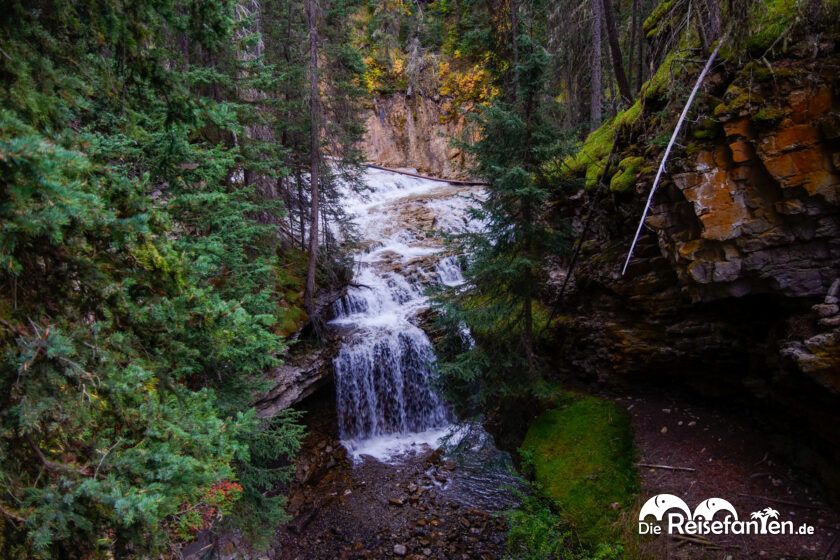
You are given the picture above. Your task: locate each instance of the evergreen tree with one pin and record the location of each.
(138, 307)
(505, 266)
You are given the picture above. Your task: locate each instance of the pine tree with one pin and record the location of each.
(505, 267)
(138, 308)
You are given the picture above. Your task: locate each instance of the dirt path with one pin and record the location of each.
(733, 460)
(418, 509)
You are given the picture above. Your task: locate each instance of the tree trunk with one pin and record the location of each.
(635, 43)
(314, 152)
(514, 29)
(714, 19)
(597, 89)
(301, 210)
(615, 50)
(640, 55)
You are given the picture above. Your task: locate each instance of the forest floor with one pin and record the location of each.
(418, 508)
(735, 458)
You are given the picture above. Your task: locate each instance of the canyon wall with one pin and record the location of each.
(733, 288)
(417, 132)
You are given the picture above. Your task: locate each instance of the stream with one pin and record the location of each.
(387, 469)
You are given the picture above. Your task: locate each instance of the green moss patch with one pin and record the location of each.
(657, 20)
(291, 279)
(662, 79)
(591, 159)
(770, 20)
(768, 115)
(582, 455)
(628, 170)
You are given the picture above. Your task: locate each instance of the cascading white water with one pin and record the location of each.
(384, 370)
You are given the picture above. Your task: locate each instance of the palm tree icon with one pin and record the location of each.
(764, 515)
(770, 513)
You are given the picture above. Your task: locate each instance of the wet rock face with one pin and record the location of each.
(733, 288)
(766, 196)
(415, 132)
(298, 378)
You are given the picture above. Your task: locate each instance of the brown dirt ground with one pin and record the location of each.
(732, 457)
(341, 511)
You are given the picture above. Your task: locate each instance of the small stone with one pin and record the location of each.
(834, 290)
(664, 430)
(397, 501)
(400, 549)
(692, 423)
(831, 300)
(615, 505)
(830, 321)
(826, 309)
(427, 552)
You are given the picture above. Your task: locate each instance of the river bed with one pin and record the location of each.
(374, 479)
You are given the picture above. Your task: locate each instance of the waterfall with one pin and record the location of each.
(384, 370)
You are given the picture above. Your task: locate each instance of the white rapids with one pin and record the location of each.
(384, 371)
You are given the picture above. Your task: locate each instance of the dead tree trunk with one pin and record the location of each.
(314, 159)
(673, 139)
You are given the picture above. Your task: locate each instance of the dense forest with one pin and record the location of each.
(174, 226)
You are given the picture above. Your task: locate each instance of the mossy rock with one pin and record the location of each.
(591, 159)
(768, 115)
(658, 85)
(736, 100)
(582, 456)
(628, 170)
(769, 20)
(655, 20)
(763, 72)
(706, 129)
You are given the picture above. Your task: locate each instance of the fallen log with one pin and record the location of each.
(666, 467)
(428, 177)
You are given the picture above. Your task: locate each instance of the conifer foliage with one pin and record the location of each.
(141, 251)
(505, 268)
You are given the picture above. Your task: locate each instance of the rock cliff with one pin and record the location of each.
(417, 132)
(734, 286)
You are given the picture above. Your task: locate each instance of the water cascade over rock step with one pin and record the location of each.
(384, 368)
